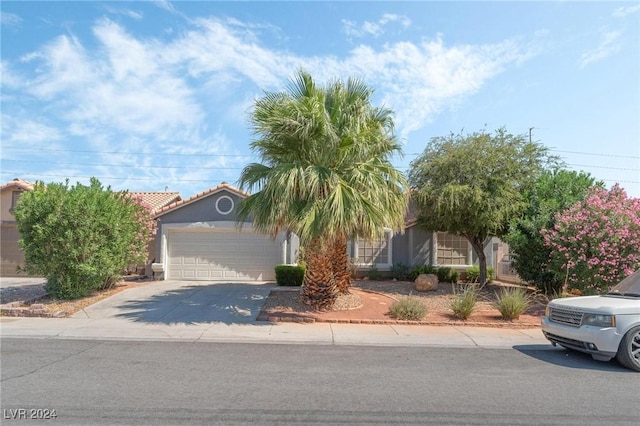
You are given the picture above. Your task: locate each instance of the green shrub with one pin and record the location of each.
(447, 275)
(420, 269)
(290, 275)
(374, 274)
(473, 274)
(512, 302)
(408, 308)
(400, 272)
(81, 238)
(463, 303)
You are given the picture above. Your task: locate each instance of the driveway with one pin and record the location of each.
(183, 302)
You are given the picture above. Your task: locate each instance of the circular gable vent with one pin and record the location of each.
(224, 205)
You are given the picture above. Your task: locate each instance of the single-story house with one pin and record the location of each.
(198, 239)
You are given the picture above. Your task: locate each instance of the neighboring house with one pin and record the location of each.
(10, 254)
(155, 200)
(199, 239)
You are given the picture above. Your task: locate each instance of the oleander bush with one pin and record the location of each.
(408, 308)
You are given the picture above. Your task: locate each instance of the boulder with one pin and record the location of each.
(426, 282)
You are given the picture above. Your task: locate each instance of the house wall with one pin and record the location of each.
(414, 247)
(202, 210)
(10, 254)
(5, 205)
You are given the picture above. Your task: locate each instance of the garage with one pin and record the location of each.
(199, 239)
(222, 255)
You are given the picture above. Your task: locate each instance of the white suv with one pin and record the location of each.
(604, 326)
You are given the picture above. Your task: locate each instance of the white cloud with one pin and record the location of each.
(606, 48)
(166, 5)
(122, 85)
(7, 18)
(623, 11)
(27, 133)
(375, 29)
(125, 12)
(131, 93)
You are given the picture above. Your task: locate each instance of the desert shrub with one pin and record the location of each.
(373, 274)
(400, 272)
(420, 269)
(290, 275)
(447, 275)
(512, 302)
(473, 274)
(81, 238)
(463, 303)
(408, 308)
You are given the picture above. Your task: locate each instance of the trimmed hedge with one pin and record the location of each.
(290, 275)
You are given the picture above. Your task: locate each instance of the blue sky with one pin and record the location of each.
(153, 95)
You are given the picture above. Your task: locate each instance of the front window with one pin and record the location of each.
(452, 249)
(373, 252)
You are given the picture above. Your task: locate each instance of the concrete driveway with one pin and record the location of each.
(183, 302)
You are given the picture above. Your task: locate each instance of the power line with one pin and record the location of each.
(182, 180)
(136, 166)
(125, 152)
(253, 156)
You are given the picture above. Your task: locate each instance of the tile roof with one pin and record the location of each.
(158, 200)
(18, 183)
(203, 194)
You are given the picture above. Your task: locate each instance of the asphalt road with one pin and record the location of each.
(110, 382)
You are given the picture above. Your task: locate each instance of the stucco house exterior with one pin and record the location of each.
(10, 254)
(199, 239)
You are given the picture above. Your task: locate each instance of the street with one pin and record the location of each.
(125, 382)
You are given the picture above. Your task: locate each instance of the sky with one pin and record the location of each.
(156, 95)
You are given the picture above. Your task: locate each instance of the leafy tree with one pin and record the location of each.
(81, 238)
(325, 174)
(595, 243)
(473, 185)
(554, 191)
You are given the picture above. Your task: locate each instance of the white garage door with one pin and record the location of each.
(222, 255)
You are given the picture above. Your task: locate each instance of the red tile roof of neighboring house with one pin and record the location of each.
(17, 183)
(158, 200)
(198, 196)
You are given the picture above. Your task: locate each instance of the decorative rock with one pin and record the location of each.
(426, 282)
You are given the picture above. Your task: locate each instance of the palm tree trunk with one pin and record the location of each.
(340, 265)
(319, 289)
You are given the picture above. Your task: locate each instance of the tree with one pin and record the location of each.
(81, 238)
(554, 191)
(325, 174)
(473, 185)
(595, 243)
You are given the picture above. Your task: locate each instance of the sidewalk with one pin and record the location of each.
(282, 333)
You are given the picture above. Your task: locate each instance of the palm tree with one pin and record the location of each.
(325, 174)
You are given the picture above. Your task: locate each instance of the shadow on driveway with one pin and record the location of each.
(225, 303)
(570, 359)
